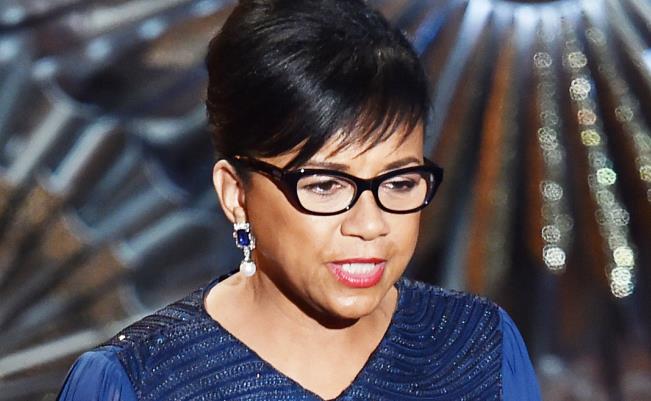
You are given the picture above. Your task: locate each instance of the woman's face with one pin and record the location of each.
(305, 255)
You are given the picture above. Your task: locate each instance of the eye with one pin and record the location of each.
(320, 185)
(401, 183)
(323, 187)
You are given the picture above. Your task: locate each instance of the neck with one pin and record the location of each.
(272, 299)
(276, 304)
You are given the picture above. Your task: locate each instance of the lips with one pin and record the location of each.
(358, 272)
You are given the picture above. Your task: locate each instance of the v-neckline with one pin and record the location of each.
(374, 354)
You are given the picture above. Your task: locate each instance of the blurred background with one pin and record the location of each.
(107, 210)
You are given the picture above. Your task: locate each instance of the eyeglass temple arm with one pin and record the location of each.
(269, 169)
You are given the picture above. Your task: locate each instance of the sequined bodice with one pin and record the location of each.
(440, 345)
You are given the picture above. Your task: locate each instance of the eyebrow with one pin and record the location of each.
(344, 167)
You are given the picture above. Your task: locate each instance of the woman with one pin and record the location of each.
(319, 109)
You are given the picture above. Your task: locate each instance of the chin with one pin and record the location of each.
(355, 307)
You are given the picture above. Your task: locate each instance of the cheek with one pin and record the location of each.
(405, 231)
(283, 234)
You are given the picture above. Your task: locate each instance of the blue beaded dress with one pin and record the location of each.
(440, 345)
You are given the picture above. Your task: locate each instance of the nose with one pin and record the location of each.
(365, 219)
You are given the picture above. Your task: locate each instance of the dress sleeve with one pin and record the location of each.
(97, 376)
(518, 377)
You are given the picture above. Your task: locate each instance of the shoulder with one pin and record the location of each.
(137, 359)
(518, 375)
(162, 324)
(469, 313)
(449, 317)
(449, 342)
(451, 322)
(473, 332)
(97, 375)
(452, 307)
(157, 344)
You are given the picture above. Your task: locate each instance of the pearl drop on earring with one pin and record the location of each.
(247, 268)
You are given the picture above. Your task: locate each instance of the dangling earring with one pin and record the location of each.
(245, 240)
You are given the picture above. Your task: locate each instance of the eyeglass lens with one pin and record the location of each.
(329, 194)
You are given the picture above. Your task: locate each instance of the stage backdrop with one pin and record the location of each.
(540, 119)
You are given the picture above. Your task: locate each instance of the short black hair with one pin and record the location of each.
(284, 73)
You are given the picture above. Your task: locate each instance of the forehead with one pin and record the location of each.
(398, 143)
(345, 149)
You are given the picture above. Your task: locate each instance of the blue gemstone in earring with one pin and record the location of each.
(243, 238)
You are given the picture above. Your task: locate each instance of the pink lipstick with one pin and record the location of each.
(358, 272)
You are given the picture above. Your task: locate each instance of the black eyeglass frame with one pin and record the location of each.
(287, 182)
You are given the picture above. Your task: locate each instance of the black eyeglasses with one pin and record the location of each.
(324, 192)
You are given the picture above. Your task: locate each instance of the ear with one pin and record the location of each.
(229, 189)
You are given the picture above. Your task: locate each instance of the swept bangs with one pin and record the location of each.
(288, 75)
